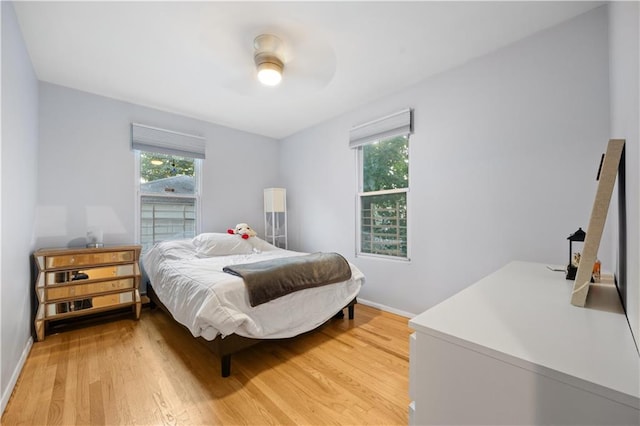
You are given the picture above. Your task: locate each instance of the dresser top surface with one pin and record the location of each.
(522, 314)
(84, 250)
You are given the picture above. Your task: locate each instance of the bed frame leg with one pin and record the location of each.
(150, 293)
(225, 365)
(340, 314)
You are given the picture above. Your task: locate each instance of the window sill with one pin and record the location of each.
(383, 257)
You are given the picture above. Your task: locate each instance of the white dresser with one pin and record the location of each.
(511, 349)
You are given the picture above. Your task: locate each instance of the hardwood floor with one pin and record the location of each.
(153, 372)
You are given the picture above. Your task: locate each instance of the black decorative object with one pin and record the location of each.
(572, 267)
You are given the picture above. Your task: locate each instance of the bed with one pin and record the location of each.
(187, 279)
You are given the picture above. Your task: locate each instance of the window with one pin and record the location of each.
(168, 181)
(383, 185)
(168, 198)
(383, 197)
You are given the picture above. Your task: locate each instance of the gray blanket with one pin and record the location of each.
(270, 279)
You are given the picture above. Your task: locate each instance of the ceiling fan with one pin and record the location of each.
(267, 58)
(290, 63)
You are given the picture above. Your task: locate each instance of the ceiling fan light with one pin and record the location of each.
(269, 73)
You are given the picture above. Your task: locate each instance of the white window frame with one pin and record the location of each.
(361, 193)
(138, 194)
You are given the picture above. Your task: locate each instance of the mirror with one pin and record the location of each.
(61, 277)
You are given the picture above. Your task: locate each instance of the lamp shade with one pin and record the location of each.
(269, 70)
(579, 235)
(270, 73)
(275, 200)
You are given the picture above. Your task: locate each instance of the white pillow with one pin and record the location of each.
(176, 249)
(261, 245)
(218, 244)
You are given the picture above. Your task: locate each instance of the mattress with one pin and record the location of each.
(190, 282)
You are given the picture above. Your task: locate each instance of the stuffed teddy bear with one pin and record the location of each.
(243, 230)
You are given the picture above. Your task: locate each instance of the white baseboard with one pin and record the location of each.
(386, 308)
(6, 393)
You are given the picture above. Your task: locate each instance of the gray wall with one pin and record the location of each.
(86, 168)
(624, 45)
(502, 166)
(19, 179)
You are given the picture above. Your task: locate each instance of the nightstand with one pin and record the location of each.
(77, 282)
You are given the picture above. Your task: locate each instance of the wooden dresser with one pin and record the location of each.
(78, 282)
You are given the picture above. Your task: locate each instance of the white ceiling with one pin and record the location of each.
(196, 58)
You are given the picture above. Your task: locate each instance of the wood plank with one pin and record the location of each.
(153, 372)
(607, 179)
(60, 359)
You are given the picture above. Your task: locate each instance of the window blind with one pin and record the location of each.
(153, 139)
(396, 124)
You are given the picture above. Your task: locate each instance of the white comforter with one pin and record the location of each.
(211, 302)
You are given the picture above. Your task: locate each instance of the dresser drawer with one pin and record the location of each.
(71, 291)
(73, 275)
(84, 259)
(88, 304)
